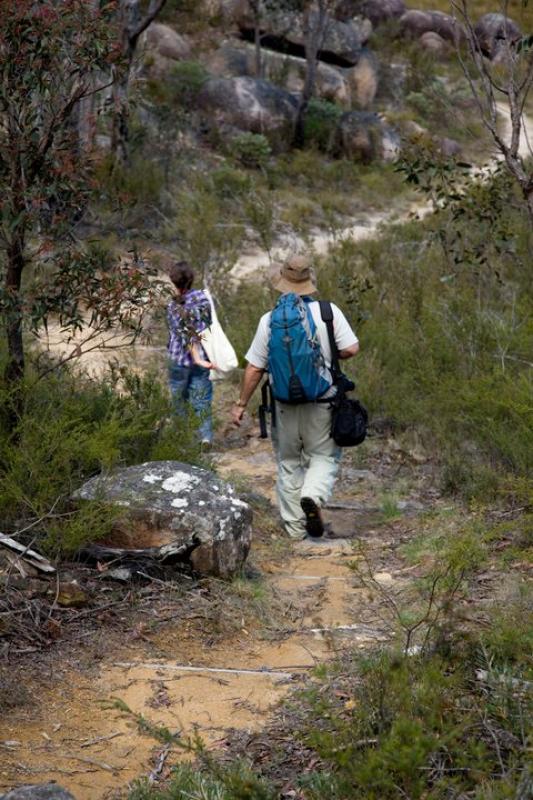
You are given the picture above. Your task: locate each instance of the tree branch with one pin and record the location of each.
(153, 10)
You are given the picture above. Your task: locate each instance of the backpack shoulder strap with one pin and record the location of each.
(326, 312)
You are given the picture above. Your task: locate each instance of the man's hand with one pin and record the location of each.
(237, 413)
(250, 381)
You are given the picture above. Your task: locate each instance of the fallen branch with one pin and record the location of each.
(155, 774)
(33, 558)
(90, 742)
(189, 668)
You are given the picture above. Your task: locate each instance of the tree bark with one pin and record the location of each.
(87, 108)
(315, 31)
(133, 24)
(14, 371)
(120, 127)
(257, 43)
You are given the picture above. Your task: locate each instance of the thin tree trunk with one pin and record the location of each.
(133, 24)
(14, 371)
(315, 30)
(528, 195)
(120, 127)
(87, 106)
(257, 43)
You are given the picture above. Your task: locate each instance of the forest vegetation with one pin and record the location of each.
(120, 152)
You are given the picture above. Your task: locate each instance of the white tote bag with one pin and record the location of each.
(217, 346)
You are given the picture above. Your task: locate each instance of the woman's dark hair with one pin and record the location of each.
(181, 275)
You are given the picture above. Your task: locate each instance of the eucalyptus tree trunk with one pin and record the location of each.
(316, 19)
(86, 111)
(14, 370)
(132, 23)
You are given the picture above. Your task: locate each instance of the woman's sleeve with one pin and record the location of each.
(202, 315)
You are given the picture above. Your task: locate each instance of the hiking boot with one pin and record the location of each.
(313, 518)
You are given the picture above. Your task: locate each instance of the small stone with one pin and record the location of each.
(71, 595)
(383, 577)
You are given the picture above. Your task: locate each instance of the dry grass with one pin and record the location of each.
(521, 13)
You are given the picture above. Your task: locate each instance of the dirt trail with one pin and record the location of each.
(76, 736)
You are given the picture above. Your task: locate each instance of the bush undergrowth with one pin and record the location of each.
(70, 428)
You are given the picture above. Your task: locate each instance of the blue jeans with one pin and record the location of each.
(192, 385)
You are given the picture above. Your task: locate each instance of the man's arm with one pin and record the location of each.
(252, 378)
(349, 352)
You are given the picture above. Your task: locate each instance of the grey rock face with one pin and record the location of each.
(233, 60)
(363, 79)
(493, 32)
(285, 31)
(250, 105)
(434, 43)
(416, 23)
(377, 11)
(161, 47)
(43, 791)
(178, 509)
(364, 136)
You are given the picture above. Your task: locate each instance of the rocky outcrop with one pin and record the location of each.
(377, 11)
(42, 791)
(434, 43)
(285, 32)
(363, 80)
(250, 105)
(161, 46)
(494, 32)
(353, 86)
(183, 514)
(365, 137)
(232, 60)
(415, 23)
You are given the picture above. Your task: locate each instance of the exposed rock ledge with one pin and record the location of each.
(175, 513)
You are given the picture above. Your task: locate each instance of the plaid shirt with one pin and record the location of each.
(185, 321)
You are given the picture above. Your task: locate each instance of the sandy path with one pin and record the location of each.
(76, 736)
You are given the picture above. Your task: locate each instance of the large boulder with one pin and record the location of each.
(251, 105)
(363, 79)
(285, 32)
(161, 46)
(364, 136)
(434, 43)
(232, 60)
(377, 11)
(42, 791)
(415, 23)
(181, 513)
(494, 32)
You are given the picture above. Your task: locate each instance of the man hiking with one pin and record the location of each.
(292, 344)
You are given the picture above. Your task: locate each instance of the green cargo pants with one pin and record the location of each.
(308, 460)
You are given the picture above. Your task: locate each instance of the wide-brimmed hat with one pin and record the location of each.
(295, 275)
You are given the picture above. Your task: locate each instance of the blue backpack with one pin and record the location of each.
(298, 373)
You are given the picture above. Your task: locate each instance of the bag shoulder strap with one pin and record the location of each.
(326, 312)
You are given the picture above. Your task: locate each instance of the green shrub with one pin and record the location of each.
(444, 336)
(185, 82)
(251, 149)
(138, 183)
(71, 428)
(236, 782)
(320, 124)
(409, 730)
(230, 183)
